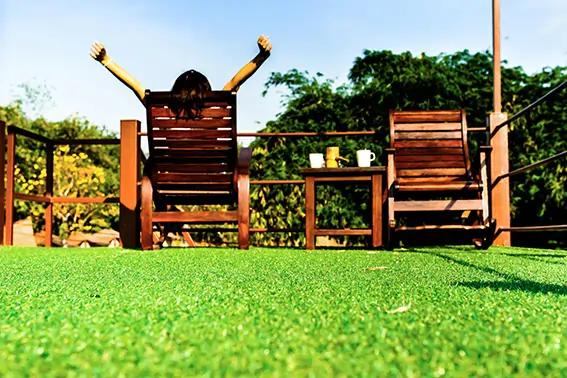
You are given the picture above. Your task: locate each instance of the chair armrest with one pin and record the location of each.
(244, 159)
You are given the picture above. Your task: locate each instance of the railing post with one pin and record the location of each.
(496, 65)
(500, 189)
(49, 194)
(10, 166)
(2, 178)
(129, 178)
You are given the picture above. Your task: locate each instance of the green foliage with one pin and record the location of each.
(276, 313)
(79, 171)
(382, 80)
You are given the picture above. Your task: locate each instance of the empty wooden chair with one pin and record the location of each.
(429, 170)
(194, 162)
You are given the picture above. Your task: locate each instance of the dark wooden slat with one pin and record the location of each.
(201, 144)
(429, 151)
(216, 123)
(205, 217)
(194, 178)
(427, 116)
(193, 168)
(433, 187)
(164, 97)
(191, 134)
(432, 172)
(441, 205)
(447, 126)
(428, 143)
(186, 156)
(172, 156)
(407, 158)
(433, 179)
(428, 135)
(430, 164)
(219, 112)
(206, 104)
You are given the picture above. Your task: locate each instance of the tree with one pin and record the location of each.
(78, 170)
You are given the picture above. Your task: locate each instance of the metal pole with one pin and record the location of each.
(496, 56)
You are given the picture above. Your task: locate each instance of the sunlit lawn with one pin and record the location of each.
(282, 312)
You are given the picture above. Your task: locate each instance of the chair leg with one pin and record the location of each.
(485, 219)
(391, 220)
(243, 211)
(146, 214)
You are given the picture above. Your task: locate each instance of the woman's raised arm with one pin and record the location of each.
(98, 53)
(248, 70)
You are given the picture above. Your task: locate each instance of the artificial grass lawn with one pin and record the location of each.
(281, 312)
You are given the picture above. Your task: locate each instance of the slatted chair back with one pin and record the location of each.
(430, 146)
(193, 160)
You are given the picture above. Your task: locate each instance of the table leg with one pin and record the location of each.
(376, 193)
(310, 212)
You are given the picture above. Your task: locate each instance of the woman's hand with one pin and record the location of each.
(264, 45)
(98, 52)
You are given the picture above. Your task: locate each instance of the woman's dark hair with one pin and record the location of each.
(187, 94)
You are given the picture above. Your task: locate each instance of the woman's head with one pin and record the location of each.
(188, 91)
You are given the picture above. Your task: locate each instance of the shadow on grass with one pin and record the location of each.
(512, 282)
(522, 285)
(450, 249)
(548, 259)
(551, 255)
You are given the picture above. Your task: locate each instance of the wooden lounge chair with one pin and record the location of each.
(429, 159)
(194, 162)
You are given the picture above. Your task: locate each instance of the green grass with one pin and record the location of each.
(281, 312)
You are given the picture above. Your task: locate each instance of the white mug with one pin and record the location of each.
(317, 160)
(364, 157)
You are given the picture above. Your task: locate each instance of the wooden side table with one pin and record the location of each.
(349, 174)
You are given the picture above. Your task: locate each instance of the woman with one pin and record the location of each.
(189, 86)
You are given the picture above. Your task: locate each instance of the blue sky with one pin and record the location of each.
(47, 43)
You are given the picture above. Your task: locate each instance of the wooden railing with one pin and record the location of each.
(525, 111)
(8, 143)
(47, 198)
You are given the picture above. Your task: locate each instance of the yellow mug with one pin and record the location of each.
(333, 157)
